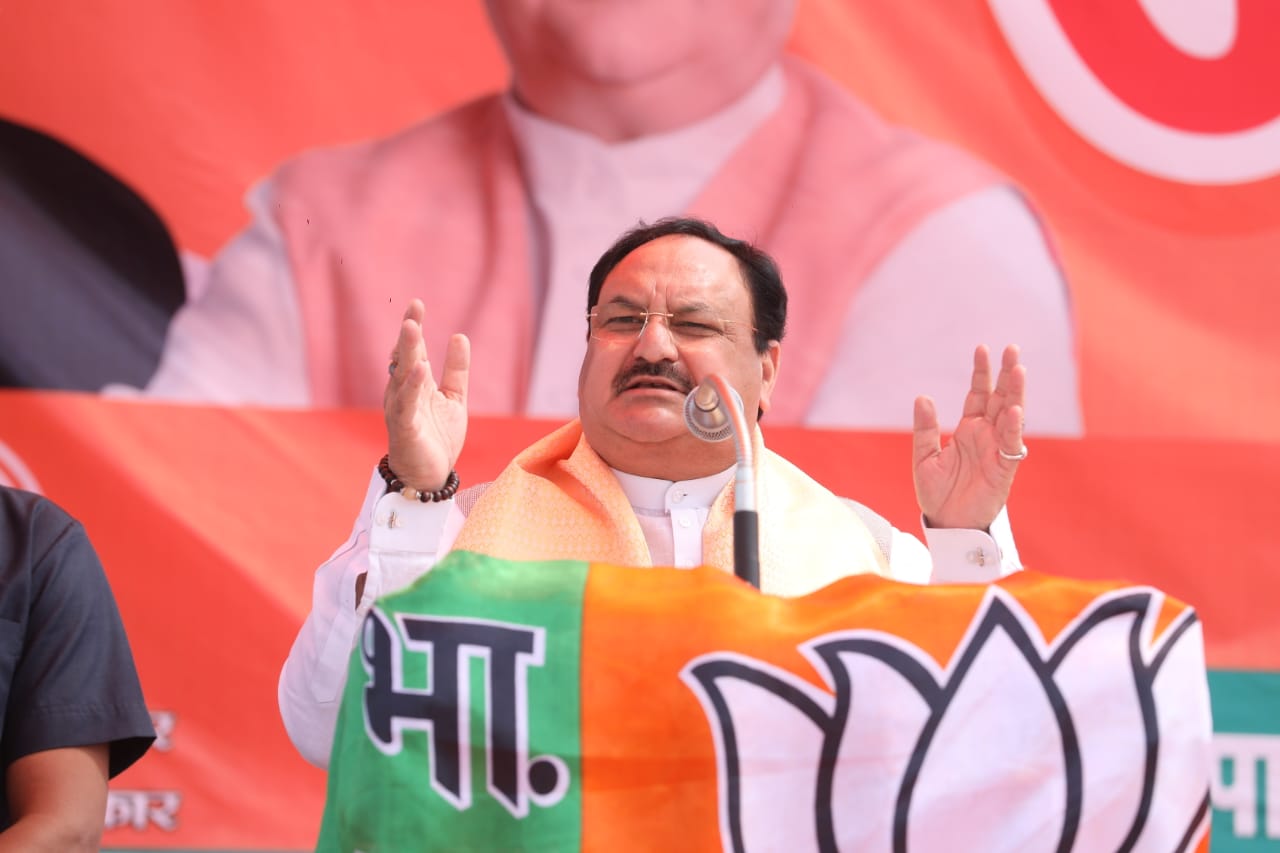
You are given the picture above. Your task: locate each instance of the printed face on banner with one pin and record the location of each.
(1158, 85)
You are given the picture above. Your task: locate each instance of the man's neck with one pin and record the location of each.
(618, 113)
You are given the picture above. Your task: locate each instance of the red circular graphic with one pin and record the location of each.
(1234, 92)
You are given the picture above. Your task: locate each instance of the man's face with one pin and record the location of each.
(631, 390)
(628, 41)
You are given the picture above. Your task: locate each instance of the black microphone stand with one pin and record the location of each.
(707, 409)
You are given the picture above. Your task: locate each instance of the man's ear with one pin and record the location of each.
(770, 363)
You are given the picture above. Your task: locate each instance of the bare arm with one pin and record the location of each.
(57, 799)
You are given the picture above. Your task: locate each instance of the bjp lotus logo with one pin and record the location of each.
(1184, 91)
(1096, 740)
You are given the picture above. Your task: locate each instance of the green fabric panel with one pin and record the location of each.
(386, 793)
(1246, 703)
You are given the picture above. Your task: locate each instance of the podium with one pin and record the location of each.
(563, 705)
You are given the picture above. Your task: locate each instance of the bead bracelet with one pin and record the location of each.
(395, 484)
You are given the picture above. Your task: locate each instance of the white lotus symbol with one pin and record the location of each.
(1098, 740)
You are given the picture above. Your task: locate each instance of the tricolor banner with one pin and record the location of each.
(560, 706)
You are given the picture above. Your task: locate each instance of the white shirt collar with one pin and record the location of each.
(658, 496)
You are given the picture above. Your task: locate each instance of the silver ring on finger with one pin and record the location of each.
(1013, 457)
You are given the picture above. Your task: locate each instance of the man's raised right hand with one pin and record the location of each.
(426, 421)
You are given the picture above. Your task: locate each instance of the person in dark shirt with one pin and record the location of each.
(72, 713)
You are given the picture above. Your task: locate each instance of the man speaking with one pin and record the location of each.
(667, 306)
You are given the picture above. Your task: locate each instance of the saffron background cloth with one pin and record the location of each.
(211, 521)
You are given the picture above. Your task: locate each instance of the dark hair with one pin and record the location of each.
(759, 271)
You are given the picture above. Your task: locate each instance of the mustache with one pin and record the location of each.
(652, 369)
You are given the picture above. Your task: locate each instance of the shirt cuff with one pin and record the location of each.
(405, 537)
(972, 556)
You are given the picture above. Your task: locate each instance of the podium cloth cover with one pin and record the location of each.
(561, 705)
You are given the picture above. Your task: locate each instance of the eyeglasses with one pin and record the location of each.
(623, 324)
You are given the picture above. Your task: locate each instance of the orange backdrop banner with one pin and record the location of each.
(211, 521)
(1171, 247)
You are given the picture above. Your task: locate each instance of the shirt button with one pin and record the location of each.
(676, 497)
(977, 556)
(684, 521)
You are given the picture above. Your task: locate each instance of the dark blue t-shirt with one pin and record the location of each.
(67, 676)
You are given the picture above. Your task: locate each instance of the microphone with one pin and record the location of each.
(705, 414)
(710, 419)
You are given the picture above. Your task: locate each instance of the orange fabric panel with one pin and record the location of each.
(629, 619)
